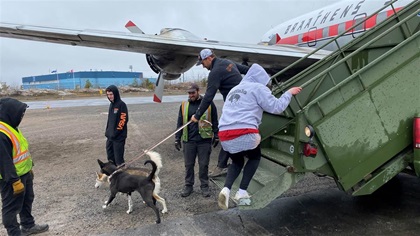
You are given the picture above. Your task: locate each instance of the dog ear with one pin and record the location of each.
(101, 164)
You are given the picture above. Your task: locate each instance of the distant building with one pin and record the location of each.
(76, 80)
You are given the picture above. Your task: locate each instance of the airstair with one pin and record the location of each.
(381, 58)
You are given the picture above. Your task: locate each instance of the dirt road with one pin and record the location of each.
(65, 145)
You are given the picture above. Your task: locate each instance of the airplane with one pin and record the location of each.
(174, 51)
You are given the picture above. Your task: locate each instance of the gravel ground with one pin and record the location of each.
(66, 143)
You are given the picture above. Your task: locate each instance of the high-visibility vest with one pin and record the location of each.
(204, 128)
(21, 157)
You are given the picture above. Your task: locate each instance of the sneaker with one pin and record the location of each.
(36, 229)
(242, 198)
(217, 172)
(205, 192)
(187, 191)
(239, 195)
(223, 200)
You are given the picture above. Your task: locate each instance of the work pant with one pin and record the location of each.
(20, 204)
(115, 151)
(223, 158)
(238, 160)
(191, 151)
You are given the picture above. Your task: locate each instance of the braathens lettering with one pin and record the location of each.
(123, 118)
(324, 17)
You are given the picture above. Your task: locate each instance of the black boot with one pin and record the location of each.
(36, 229)
(186, 191)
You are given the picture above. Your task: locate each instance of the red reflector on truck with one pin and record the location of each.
(310, 150)
(416, 132)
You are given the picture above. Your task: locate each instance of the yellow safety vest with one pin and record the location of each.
(204, 128)
(21, 156)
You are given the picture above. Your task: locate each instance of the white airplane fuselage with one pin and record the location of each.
(317, 27)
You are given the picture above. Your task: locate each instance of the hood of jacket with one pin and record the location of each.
(115, 91)
(11, 111)
(256, 74)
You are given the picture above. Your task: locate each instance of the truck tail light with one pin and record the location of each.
(310, 150)
(416, 132)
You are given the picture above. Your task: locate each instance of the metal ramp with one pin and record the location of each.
(342, 79)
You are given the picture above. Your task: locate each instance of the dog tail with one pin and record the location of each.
(150, 177)
(156, 158)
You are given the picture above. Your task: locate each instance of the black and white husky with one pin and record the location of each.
(134, 179)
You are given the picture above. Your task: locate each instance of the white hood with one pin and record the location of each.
(256, 74)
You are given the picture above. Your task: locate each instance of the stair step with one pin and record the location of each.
(263, 176)
(277, 156)
(282, 143)
(284, 138)
(267, 184)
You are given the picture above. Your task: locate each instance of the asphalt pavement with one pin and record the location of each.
(392, 210)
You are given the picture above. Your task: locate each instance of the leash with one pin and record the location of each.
(125, 165)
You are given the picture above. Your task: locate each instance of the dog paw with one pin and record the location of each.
(104, 206)
(164, 211)
(128, 212)
(106, 202)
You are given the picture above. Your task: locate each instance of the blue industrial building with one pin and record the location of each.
(76, 80)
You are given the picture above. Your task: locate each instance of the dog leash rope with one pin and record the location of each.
(125, 165)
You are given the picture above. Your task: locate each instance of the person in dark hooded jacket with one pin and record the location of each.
(16, 180)
(116, 127)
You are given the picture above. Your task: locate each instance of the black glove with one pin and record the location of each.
(215, 141)
(178, 145)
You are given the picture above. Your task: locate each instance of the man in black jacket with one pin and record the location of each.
(16, 180)
(224, 75)
(197, 139)
(116, 127)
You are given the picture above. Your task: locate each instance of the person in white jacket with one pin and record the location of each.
(238, 127)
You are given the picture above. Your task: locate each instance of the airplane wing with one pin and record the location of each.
(170, 53)
(267, 56)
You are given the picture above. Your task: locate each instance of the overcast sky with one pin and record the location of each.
(242, 21)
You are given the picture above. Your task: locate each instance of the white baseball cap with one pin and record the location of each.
(203, 55)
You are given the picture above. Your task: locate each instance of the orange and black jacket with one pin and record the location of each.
(116, 127)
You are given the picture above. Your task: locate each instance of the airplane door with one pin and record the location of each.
(360, 28)
(311, 37)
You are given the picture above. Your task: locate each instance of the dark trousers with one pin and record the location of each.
(20, 204)
(238, 160)
(223, 158)
(191, 151)
(115, 151)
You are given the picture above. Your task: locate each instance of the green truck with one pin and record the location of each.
(356, 120)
